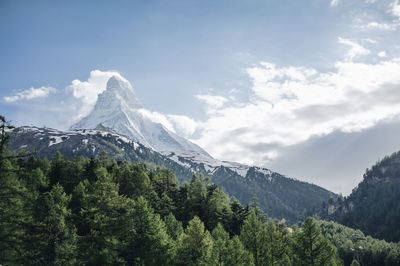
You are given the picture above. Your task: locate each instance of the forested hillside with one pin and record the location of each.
(100, 212)
(374, 205)
(353, 245)
(105, 212)
(279, 196)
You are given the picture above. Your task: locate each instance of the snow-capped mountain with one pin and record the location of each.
(119, 110)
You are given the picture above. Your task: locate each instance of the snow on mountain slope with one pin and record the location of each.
(118, 109)
(193, 160)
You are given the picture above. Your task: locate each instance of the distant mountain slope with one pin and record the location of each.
(119, 109)
(279, 196)
(374, 205)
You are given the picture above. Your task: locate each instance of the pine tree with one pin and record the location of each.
(218, 209)
(150, 243)
(195, 245)
(221, 241)
(239, 214)
(133, 181)
(53, 232)
(106, 218)
(253, 238)
(174, 227)
(238, 255)
(311, 247)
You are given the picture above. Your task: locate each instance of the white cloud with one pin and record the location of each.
(379, 26)
(352, 98)
(30, 94)
(334, 2)
(213, 101)
(355, 49)
(157, 118)
(183, 124)
(88, 90)
(395, 8)
(382, 54)
(370, 1)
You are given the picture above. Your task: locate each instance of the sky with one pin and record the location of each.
(310, 89)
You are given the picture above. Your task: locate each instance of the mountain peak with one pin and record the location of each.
(116, 82)
(118, 109)
(118, 92)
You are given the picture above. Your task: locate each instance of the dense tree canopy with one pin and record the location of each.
(101, 212)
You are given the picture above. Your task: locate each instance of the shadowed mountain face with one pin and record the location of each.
(118, 109)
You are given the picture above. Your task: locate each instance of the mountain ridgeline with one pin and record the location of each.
(279, 196)
(374, 205)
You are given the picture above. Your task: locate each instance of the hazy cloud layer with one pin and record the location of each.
(338, 160)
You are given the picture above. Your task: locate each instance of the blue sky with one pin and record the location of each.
(273, 79)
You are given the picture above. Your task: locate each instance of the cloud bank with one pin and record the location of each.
(288, 105)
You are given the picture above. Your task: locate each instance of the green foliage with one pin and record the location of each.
(106, 221)
(195, 245)
(353, 245)
(229, 251)
(101, 212)
(52, 230)
(174, 227)
(254, 239)
(149, 242)
(268, 243)
(238, 255)
(311, 247)
(221, 241)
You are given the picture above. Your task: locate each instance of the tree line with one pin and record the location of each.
(99, 211)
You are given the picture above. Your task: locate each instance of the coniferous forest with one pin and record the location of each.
(99, 211)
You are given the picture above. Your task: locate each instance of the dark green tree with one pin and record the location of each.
(106, 216)
(254, 238)
(53, 232)
(174, 227)
(149, 243)
(238, 255)
(311, 247)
